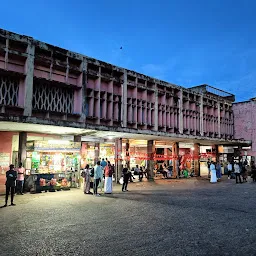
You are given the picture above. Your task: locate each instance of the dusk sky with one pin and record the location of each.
(185, 42)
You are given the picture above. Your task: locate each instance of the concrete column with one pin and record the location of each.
(156, 110)
(219, 132)
(181, 112)
(22, 153)
(127, 153)
(150, 161)
(196, 159)
(97, 107)
(28, 86)
(96, 152)
(124, 100)
(83, 81)
(201, 116)
(217, 152)
(118, 159)
(175, 159)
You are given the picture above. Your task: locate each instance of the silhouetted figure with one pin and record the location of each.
(10, 183)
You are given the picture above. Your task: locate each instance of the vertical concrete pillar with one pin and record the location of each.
(124, 100)
(219, 132)
(78, 139)
(118, 159)
(216, 151)
(96, 152)
(196, 159)
(156, 109)
(97, 106)
(29, 73)
(22, 153)
(127, 153)
(181, 112)
(201, 116)
(175, 158)
(83, 82)
(150, 156)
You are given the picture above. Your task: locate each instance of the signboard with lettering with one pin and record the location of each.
(46, 146)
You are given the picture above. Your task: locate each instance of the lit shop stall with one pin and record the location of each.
(53, 164)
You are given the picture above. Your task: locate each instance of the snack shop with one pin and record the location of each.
(53, 164)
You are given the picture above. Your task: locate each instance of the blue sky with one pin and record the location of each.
(185, 42)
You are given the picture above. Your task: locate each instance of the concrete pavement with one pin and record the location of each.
(169, 217)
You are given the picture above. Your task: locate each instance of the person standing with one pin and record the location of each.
(237, 172)
(245, 173)
(103, 163)
(98, 173)
(230, 168)
(87, 179)
(218, 170)
(11, 177)
(253, 171)
(126, 176)
(20, 179)
(209, 169)
(213, 173)
(108, 179)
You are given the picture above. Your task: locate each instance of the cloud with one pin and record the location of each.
(160, 71)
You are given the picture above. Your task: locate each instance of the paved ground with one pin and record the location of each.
(189, 217)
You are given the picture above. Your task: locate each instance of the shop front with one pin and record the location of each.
(52, 165)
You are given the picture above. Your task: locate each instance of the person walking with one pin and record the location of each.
(11, 177)
(87, 179)
(20, 179)
(213, 173)
(126, 176)
(98, 174)
(237, 172)
(230, 168)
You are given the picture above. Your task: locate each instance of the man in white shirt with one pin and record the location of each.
(230, 168)
(98, 175)
(237, 172)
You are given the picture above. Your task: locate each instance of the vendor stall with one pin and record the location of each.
(55, 164)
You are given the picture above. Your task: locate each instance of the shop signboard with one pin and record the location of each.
(46, 146)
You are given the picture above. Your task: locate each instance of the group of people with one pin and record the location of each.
(239, 170)
(14, 182)
(141, 171)
(165, 170)
(103, 169)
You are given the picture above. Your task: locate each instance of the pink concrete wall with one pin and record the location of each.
(245, 123)
(5, 147)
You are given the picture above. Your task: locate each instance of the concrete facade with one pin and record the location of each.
(43, 84)
(245, 123)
